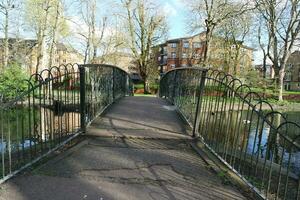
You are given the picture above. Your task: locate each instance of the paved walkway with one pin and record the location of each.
(135, 152)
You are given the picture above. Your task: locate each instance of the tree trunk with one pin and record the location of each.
(145, 88)
(54, 35)
(265, 67)
(93, 34)
(207, 46)
(6, 45)
(280, 85)
(87, 50)
(41, 40)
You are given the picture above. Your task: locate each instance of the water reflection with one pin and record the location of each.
(245, 135)
(23, 128)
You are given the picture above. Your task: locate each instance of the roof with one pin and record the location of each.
(182, 38)
(13, 41)
(63, 47)
(176, 40)
(295, 53)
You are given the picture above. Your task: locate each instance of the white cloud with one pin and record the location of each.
(169, 10)
(178, 3)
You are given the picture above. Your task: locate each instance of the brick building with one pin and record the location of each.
(189, 51)
(66, 54)
(123, 60)
(268, 73)
(292, 74)
(24, 52)
(21, 51)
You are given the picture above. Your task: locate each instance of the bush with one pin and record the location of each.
(12, 82)
(152, 88)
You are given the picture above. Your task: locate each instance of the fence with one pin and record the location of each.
(56, 107)
(240, 128)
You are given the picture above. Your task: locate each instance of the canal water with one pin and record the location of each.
(254, 138)
(48, 125)
(22, 128)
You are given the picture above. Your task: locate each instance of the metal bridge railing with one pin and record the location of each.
(240, 128)
(57, 106)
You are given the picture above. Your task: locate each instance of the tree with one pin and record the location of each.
(12, 82)
(57, 27)
(146, 26)
(45, 19)
(38, 20)
(262, 46)
(88, 13)
(233, 33)
(282, 21)
(210, 14)
(6, 6)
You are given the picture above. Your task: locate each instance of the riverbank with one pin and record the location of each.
(285, 106)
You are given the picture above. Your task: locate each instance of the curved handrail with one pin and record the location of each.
(104, 65)
(251, 125)
(54, 108)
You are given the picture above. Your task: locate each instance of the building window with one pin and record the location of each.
(173, 66)
(288, 76)
(196, 56)
(165, 59)
(186, 44)
(173, 55)
(197, 45)
(233, 46)
(184, 55)
(287, 86)
(173, 45)
(165, 50)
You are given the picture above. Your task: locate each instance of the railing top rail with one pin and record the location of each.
(103, 65)
(63, 70)
(226, 80)
(241, 128)
(185, 68)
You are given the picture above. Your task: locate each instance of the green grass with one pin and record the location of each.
(144, 95)
(141, 86)
(291, 92)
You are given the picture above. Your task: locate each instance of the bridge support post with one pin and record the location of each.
(174, 88)
(82, 98)
(113, 84)
(199, 104)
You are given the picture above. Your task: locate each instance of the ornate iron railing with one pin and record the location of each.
(240, 128)
(57, 106)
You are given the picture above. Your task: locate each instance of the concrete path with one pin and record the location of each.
(137, 151)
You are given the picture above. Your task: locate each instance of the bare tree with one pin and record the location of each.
(232, 33)
(262, 46)
(146, 27)
(38, 20)
(88, 13)
(6, 6)
(54, 31)
(282, 19)
(209, 14)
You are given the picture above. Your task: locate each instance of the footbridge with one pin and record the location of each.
(78, 132)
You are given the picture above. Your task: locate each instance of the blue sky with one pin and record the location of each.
(175, 9)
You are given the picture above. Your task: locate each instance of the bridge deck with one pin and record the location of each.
(136, 151)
